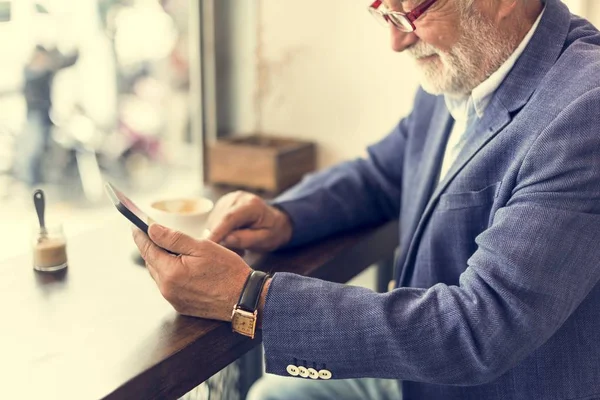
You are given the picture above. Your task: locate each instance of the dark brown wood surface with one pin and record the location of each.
(101, 329)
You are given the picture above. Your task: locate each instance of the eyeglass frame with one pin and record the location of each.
(410, 16)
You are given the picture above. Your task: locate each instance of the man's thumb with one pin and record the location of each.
(171, 240)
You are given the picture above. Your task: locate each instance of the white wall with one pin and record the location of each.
(589, 9)
(320, 71)
(235, 53)
(576, 6)
(327, 74)
(592, 12)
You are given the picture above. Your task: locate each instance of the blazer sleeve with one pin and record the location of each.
(352, 194)
(534, 265)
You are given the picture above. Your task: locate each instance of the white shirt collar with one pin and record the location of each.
(462, 107)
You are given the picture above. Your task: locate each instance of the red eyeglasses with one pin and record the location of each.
(400, 20)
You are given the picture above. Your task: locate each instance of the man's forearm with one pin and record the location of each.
(262, 301)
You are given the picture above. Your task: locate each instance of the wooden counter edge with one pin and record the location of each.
(345, 257)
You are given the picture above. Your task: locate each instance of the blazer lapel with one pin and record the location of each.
(483, 132)
(433, 154)
(428, 171)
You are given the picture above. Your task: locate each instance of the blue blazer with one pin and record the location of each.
(499, 267)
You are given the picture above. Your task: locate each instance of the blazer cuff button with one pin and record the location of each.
(325, 374)
(292, 370)
(303, 372)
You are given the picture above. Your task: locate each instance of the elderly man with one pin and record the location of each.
(495, 176)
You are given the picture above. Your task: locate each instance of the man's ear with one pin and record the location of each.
(506, 8)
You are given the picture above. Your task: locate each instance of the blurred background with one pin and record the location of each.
(94, 90)
(132, 91)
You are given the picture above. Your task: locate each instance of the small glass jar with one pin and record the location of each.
(49, 248)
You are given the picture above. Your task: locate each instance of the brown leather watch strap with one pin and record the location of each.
(251, 291)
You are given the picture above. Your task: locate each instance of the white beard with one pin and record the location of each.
(479, 52)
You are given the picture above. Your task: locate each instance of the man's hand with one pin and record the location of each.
(242, 220)
(205, 280)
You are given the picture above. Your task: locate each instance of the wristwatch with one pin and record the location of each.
(243, 318)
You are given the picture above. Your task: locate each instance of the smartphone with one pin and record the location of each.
(129, 209)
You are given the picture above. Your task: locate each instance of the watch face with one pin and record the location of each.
(243, 322)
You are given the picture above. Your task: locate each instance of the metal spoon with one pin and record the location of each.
(40, 205)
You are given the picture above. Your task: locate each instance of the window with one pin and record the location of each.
(96, 90)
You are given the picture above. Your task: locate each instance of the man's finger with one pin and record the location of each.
(223, 204)
(174, 241)
(149, 251)
(237, 217)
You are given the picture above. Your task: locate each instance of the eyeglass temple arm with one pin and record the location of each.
(417, 12)
(376, 4)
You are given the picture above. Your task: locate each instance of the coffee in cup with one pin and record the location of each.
(49, 249)
(187, 215)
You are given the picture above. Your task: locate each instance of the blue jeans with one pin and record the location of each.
(31, 145)
(274, 387)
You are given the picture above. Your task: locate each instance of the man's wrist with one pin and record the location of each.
(262, 301)
(284, 225)
(245, 315)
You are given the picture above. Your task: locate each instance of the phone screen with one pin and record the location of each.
(129, 210)
(118, 198)
(132, 207)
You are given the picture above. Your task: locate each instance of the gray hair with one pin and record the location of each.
(465, 5)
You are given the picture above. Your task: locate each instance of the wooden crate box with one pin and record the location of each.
(260, 162)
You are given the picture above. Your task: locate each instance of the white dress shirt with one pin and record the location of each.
(468, 109)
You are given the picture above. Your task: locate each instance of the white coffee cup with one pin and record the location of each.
(186, 214)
